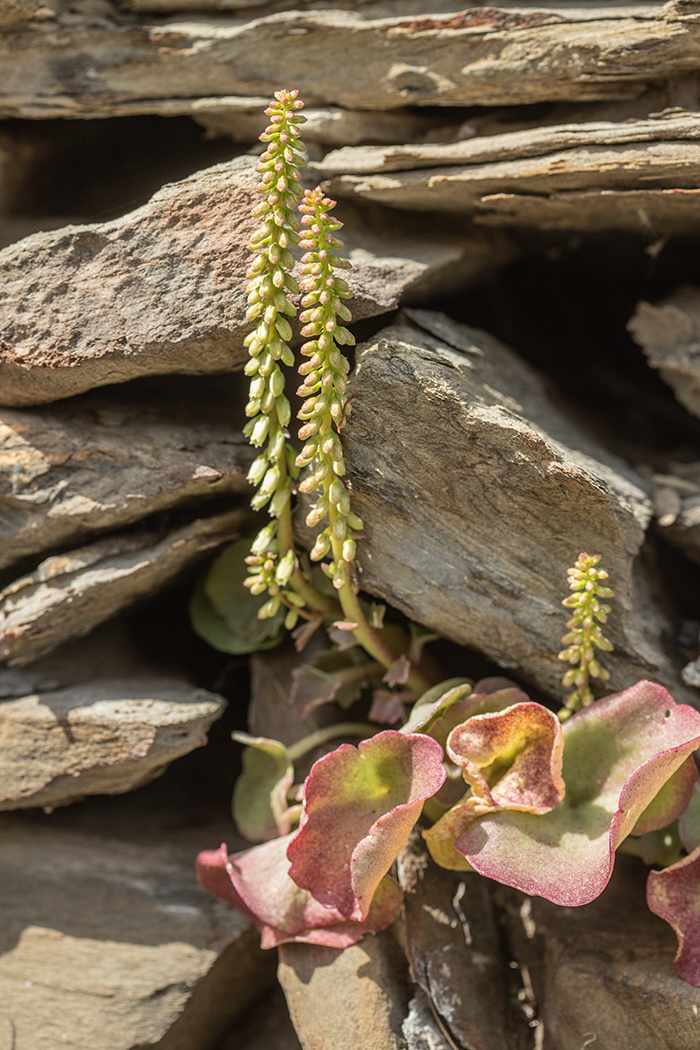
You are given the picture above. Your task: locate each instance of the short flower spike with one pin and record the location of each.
(585, 636)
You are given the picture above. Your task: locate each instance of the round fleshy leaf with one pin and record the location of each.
(359, 807)
(674, 895)
(257, 883)
(618, 754)
(520, 750)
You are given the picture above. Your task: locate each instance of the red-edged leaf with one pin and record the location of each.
(257, 883)
(674, 894)
(618, 754)
(520, 750)
(359, 807)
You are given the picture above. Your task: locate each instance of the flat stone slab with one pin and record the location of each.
(346, 998)
(162, 289)
(101, 737)
(478, 494)
(484, 56)
(582, 175)
(105, 460)
(107, 942)
(69, 594)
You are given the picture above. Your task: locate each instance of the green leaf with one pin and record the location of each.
(260, 796)
(225, 614)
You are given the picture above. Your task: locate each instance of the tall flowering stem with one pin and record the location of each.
(272, 562)
(323, 414)
(585, 635)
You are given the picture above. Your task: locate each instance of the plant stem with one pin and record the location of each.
(326, 733)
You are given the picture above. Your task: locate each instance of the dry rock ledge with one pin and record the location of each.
(480, 56)
(633, 174)
(103, 461)
(478, 493)
(162, 289)
(99, 738)
(71, 593)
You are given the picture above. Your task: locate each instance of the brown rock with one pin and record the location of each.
(604, 972)
(163, 289)
(669, 334)
(107, 942)
(453, 948)
(102, 737)
(71, 593)
(346, 998)
(478, 493)
(105, 460)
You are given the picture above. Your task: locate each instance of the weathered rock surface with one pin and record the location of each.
(478, 493)
(106, 941)
(105, 460)
(669, 334)
(71, 593)
(453, 948)
(162, 289)
(103, 737)
(484, 56)
(346, 998)
(510, 174)
(604, 972)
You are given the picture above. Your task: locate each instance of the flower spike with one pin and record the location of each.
(585, 636)
(325, 380)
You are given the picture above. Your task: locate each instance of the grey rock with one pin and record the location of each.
(102, 461)
(453, 948)
(479, 57)
(107, 942)
(604, 972)
(478, 493)
(669, 334)
(101, 737)
(162, 289)
(71, 593)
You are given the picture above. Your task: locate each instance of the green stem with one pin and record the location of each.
(298, 581)
(326, 733)
(366, 635)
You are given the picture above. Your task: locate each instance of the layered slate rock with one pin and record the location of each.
(669, 334)
(478, 493)
(601, 174)
(102, 737)
(454, 951)
(107, 941)
(71, 593)
(484, 56)
(604, 972)
(103, 461)
(162, 289)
